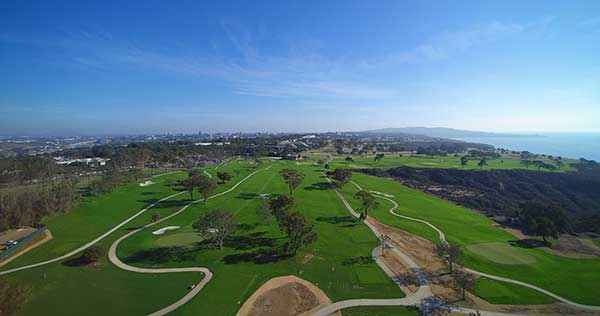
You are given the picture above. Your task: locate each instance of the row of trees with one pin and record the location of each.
(217, 225)
(27, 206)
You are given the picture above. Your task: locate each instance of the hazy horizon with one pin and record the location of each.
(155, 68)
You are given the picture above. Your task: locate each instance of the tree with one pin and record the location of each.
(482, 163)
(559, 163)
(379, 157)
(224, 176)
(541, 219)
(464, 160)
(155, 217)
(526, 163)
(92, 254)
(216, 226)
(293, 178)
(464, 281)
(545, 227)
(13, 296)
(298, 230)
(367, 202)
(206, 186)
(348, 158)
(450, 254)
(280, 204)
(190, 184)
(326, 166)
(341, 176)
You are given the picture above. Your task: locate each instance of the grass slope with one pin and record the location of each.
(59, 289)
(237, 275)
(497, 292)
(575, 279)
(432, 162)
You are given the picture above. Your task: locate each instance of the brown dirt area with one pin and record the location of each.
(422, 251)
(565, 246)
(284, 296)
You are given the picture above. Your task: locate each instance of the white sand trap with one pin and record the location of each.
(381, 193)
(146, 183)
(164, 230)
(264, 196)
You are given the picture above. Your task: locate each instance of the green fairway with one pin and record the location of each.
(178, 240)
(391, 161)
(380, 311)
(501, 253)
(238, 269)
(497, 292)
(465, 227)
(247, 260)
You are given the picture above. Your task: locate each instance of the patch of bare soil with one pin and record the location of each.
(284, 296)
(422, 251)
(554, 309)
(566, 245)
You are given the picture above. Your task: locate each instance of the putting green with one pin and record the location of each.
(180, 239)
(501, 253)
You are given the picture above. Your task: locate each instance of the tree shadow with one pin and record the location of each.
(162, 255)
(319, 186)
(528, 243)
(348, 220)
(247, 227)
(260, 256)
(247, 196)
(249, 241)
(76, 262)
(358, 260)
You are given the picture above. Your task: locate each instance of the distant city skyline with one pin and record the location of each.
(304, 66)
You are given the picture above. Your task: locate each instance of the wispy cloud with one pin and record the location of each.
(594, 21)
(301, 73)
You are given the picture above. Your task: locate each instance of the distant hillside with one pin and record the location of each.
(439, 132)
(499, 192)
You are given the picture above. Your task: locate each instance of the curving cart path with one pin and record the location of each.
(112, 255)
(413, 299)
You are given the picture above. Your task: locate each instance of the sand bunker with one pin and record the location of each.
(146, 183)
(284, 296)
(164, 230)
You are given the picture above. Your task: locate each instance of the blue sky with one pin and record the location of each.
(186, 66)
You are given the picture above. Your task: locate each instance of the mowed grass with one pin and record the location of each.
(178, 239)
(501, 253)
(237, 272)
(380, 311)
(59, 289)
(497, 292)
(391, 161)
(575, 279)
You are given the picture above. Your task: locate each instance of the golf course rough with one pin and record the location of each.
(501, 253)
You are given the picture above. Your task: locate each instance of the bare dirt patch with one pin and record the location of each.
(422, 251)
(554, 309)
(284, 296)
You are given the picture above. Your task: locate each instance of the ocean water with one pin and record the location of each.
(568, 145)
